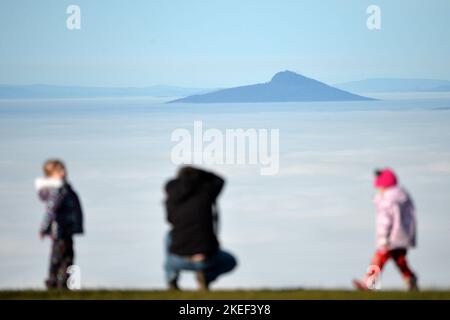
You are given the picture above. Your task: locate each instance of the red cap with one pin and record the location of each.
(385, 179)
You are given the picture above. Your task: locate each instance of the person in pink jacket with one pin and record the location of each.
(395, 230)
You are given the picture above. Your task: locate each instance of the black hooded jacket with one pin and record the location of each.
(189, 205)
(64, 215)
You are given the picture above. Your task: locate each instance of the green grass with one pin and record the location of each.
(226, 295)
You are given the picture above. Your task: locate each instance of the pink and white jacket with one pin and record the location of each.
(396, 221)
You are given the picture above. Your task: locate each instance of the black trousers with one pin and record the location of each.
(62, 256)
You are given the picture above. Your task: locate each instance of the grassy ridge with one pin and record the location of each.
(226, 295)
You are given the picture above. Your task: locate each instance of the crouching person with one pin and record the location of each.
(192, 243)
(62, 220)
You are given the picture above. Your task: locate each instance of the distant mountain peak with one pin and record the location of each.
(287, 77)
(285, 86)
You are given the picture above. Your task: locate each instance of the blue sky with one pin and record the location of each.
(220, 43)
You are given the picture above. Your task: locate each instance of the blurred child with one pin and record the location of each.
(396, 230)
(63, 218)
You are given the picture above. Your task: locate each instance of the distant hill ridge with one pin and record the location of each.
(42, 91)
(285, 86)
(395, 85)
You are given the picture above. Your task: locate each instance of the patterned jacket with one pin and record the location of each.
(396, 219)
(62, 217)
